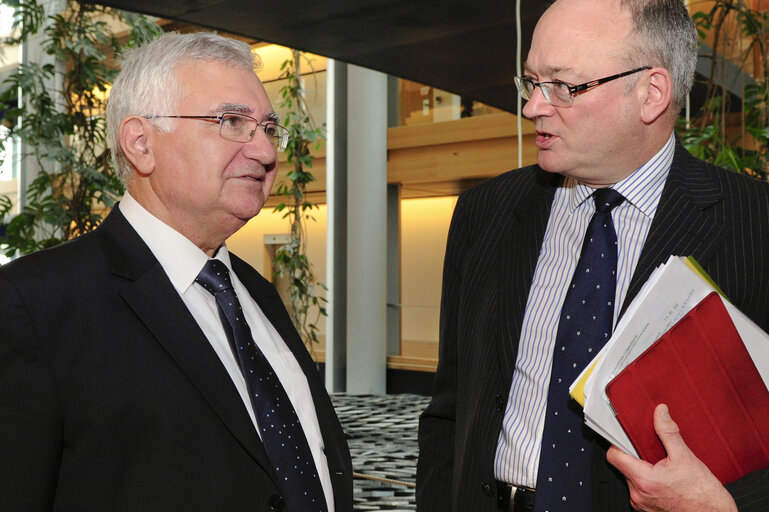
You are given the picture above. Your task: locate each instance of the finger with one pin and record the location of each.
(631, 467)
(668, 432)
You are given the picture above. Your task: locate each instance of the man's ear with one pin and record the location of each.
(658, 95)
(135, 137)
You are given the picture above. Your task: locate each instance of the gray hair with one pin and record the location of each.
(663, 35)
(146, 84)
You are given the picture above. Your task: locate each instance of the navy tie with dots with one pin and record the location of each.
(585, 325)
(281, 432)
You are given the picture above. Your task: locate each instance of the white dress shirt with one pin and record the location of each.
(182, 261)
(520, 440)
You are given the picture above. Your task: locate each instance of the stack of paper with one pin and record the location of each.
(702, 370)
(669, 294)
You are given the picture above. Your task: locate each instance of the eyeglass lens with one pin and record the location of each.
(240, 128)
(555, 93)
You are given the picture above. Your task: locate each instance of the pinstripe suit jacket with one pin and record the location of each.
(720, 218)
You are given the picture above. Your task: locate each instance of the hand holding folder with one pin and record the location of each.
(702, 370)
(679, 483)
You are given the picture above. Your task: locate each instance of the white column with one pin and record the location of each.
(366, 231)
(33, 51)
(336, 226)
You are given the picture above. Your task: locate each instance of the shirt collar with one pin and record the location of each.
(180, 258)
(642, 189)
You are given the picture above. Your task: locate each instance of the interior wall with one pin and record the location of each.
(424, 228)
(248, 244)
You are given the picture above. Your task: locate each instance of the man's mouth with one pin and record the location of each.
(257, 176)
(544, 139)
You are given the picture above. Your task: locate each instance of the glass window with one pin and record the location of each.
(7, 171)
(420, 104)
(313, 70)
(6, 20)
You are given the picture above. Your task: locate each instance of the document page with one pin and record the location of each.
(669, 294)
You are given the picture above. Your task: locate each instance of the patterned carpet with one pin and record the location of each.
(382, 434)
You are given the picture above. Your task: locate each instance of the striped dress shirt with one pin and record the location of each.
(518, 449)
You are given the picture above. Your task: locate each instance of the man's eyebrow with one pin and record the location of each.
(548, 71)
(240, 108)
(232, 107)
(553, 71)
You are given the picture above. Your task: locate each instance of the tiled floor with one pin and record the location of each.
(382, 434)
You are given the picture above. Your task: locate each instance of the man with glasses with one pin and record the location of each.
(142, 366)
(542, 261)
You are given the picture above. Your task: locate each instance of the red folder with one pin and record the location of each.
(701, 369)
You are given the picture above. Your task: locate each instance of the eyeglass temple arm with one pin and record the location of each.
(589, 85)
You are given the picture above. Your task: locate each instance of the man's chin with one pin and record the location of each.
(246, 210)
(547, 162)
(246, 214)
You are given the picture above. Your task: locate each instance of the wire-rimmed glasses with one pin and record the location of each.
(238, 127)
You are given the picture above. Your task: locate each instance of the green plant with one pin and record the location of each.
(735, 140)
(63, 128)
(291, 259)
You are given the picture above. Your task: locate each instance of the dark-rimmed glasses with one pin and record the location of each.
(241, 128)
(561, 94)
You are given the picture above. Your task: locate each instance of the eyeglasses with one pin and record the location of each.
(560, 94)
(241, 128)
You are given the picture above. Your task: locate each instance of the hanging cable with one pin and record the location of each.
(689, 94)
(518, 73)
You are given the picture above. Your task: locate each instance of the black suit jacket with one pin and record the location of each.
(112, 399)
(720, 218)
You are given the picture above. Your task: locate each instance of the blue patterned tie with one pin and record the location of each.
(281, 432)
(585, 325)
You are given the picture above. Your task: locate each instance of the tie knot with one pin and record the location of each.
(606, 199)
(215, 277)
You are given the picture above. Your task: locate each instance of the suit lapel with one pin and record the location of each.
(271, 304)
(146, 289)
(684, 224)
(337, 456)
(529, 209)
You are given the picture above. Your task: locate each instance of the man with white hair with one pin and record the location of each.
(142, 366)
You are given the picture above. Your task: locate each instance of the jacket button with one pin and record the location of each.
(276, 502)
(487, 489)
(500, 400)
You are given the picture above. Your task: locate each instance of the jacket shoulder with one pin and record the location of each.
(55, 261)
(516, 180)
(505, 190)
(731, 185)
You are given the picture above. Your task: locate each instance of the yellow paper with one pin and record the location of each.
(577, 392)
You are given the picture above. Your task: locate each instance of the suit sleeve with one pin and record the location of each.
(751, 492)
(30, 428)
(435, 467)
(746, 262)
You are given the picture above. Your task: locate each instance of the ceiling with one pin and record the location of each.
(461, 46)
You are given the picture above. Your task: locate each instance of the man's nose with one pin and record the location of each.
(261, 147)
(537, 105)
